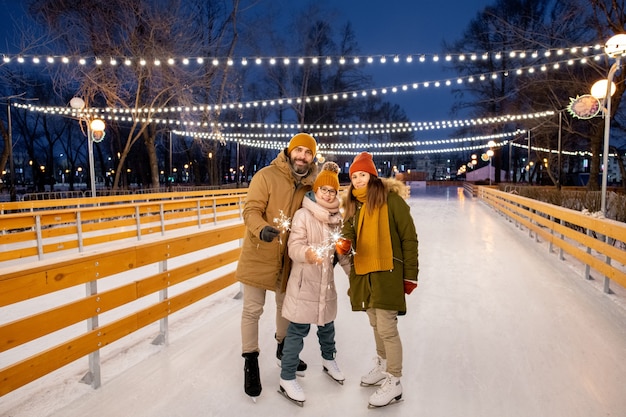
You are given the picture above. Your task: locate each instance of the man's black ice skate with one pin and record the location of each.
(252, 379)
(279, 355)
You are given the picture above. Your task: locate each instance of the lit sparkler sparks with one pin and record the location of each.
(283, 223)
(336, 237)
(327, 248)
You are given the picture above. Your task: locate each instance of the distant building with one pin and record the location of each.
(483, 174)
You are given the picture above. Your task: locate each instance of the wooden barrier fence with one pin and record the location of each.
(7, 207)
(39, 228)
(48, 277)
(470, 188)
(45, 295)
(600, 244)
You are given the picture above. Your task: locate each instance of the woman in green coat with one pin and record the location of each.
(384, 267)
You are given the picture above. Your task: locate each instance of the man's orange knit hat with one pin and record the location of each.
(364, 162)
(302, 139)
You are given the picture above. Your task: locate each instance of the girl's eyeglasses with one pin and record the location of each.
(330, 191)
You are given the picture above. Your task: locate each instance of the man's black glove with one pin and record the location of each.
(269, 233)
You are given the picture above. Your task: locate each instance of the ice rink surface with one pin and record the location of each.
(499, 327)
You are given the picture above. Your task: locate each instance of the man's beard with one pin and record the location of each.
(300, 170)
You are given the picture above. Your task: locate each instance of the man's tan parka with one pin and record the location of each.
(273, 191)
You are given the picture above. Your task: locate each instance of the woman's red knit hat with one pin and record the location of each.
(364, 162)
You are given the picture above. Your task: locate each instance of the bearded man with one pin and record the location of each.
(274, 195)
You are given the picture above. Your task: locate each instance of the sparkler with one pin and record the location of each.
(327, 248)
(283, 223)
(339, 241)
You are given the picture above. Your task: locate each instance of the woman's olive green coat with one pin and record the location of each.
(385, 289)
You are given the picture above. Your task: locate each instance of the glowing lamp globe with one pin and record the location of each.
(616, 46)
(97, 125)
(97, 130)
(598, 89)
(77, 103)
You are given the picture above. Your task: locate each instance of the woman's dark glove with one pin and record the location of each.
(269, 233)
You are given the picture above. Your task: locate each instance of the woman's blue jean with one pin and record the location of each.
(294, 342)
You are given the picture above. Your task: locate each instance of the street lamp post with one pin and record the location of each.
(12, 192)
(237, 172)
(529, 165)
(95, 133)
(558, 181)
(615, 47)
(169, 172)
(490, 154)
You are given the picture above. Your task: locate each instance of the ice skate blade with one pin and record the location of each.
(396, 400)
(254, 397)
(339, 381)
(378, 384)
(284, 394)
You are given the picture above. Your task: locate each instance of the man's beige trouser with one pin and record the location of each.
(253, 303)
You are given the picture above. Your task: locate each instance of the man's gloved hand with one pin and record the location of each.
(409, 286)
(269, 233)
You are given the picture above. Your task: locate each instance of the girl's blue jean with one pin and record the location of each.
(294, 342)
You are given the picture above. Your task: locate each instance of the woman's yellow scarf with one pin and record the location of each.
(373, 240)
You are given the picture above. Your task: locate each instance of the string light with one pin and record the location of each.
(374, 92)
(354, 148)
(336, 129)
(286, 60)
(146, 115)
(259, 140)
(553, 151)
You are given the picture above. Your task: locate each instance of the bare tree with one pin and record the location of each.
(144, 33)
(13, 85)
(537, 26)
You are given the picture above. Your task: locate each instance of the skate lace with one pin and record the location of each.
(386, 385)
(377, 367)
(332, 364)
(295, 385)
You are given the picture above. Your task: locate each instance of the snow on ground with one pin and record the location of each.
(498, 327)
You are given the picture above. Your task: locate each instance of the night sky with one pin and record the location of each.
(407, 27)
(381, 27)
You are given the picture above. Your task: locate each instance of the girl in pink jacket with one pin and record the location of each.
(311, 296)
